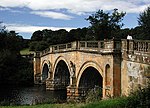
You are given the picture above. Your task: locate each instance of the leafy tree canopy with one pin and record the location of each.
(144, 22)
(102, 24)
(13, 68)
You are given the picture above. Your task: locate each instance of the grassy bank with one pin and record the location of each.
(47, 106)
(111, 103)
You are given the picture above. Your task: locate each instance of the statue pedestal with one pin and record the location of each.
(37, 79)
(50, 84)
(72, 94)
(73, 81)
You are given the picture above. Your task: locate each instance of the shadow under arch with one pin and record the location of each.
(45, 62)
(86, 65)
(61, 73)
(45, 68)
(60, 58)
(90, 78)
(107, 75)
(44, 74)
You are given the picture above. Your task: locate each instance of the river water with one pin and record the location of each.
(30, 95)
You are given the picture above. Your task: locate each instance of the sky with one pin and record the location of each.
(28, 16)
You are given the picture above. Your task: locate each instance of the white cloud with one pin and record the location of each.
(30, 29)
(53, 15)
(14, 3)
(9, 9)
(4, 9)
(79, 6)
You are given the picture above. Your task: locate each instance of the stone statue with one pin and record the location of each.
(129, 37)
(49, 69)
(49, 65)
(72, 72)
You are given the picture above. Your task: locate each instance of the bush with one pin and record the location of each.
(93, 95)
(140, 98)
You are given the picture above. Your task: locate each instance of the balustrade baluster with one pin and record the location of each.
(138, 46)
(144, 46)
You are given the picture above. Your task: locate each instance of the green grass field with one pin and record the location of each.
(26, 51)
(110, 103)
(47, 106)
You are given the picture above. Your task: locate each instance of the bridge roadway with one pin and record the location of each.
(111, 65)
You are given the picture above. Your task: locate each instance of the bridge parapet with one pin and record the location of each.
(64, 47)
(91, 45)
(106, 46)
(59, 48)
(37, 54)
(141, 46)
(136, 46)
(136, 50)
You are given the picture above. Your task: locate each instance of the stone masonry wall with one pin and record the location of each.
(133, 76)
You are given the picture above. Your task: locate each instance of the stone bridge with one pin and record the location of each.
(115, 66)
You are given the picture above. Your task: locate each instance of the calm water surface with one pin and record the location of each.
(30, 95)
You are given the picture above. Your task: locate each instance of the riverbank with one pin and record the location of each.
(47, 106)
(138, 99)
(111, 103)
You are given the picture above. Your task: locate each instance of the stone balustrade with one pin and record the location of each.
(94, 46)
(136, 50)
(143, 46)
(106, 46)
(136, 45)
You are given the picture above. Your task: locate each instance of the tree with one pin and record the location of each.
(12, 65)
(102, 24)
(60, 36)
(37, 36)
(38, 45)
(144, 22)
(47, 35)
(137, 33)
(122, 33)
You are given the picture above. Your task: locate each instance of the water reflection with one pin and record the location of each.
(30, 95)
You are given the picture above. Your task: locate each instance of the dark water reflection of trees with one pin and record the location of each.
(30, 95)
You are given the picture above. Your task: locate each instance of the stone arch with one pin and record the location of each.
(45, 70)
(85, 66)
(61, 73)
(45, 62)
(57, 61)
(107, 75)
(107, 80)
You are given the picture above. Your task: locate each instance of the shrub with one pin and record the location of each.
(140, 98)
(93, 95)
